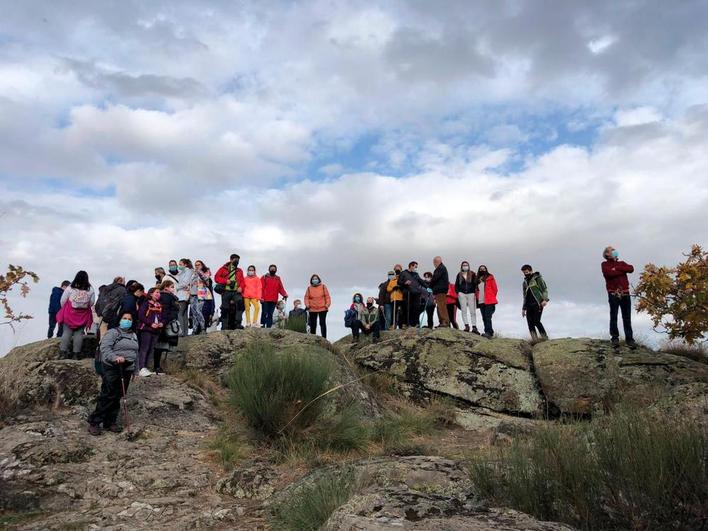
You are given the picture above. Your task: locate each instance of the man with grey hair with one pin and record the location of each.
(615, 272)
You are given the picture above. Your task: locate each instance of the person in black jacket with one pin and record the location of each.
(429, 299)
(54, 307)
(413, 287)
(466, 288)
(384, 303)
(170, 310)
(440, 283)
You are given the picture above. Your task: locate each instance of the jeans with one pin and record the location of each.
(231, 310)
(256, 306)
(75, 337)
(487, 310)
(108, 403)
(195, 310)
(441, 304)
(53, 325)
(312, 322)
(183, 318)
(359, 327)
(533, 319)
(468, 304)
(147, 346)
(388, 316)
(267, 317)
(623, 303)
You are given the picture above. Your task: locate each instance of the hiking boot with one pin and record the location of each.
(355, 340)
(475, 331)
(145, 372)
(114, 428)
(63, 355)
(631, 344)
(488, 336)
(615, 342)
(467, 328)
(95, 430)
(157, 371)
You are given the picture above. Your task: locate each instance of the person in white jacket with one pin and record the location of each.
(186, 284)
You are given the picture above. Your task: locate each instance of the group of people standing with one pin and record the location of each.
(135, 324)
(406, 298)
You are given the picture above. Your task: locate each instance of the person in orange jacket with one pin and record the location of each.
(252, 295)
(486, 298)
(397, 296)
(317, 303)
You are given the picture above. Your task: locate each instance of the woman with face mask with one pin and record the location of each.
(119, 353)
(272, 287)
(279, 317)
(252, 295)
(150, 325)
(466, 288)
(486, 298)
(317, 302)
(203, 305)
(367, 318)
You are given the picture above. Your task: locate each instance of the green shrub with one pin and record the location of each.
(229, 448)
(342, 432)
(297, 324)
(308, 507)
(626, 471)
(270, 388)
(695, 352)
(395, 430)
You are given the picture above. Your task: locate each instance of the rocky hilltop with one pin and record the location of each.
(162, 472)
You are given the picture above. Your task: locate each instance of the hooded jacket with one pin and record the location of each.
(222, 277)
(317, 298)
(252, 288)
(490, 290)
(55, 299)
(393, 289)
(109, 301)
(535, 286)
(119, 343)
(272, 287)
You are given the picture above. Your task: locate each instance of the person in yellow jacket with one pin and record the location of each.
(396, 295)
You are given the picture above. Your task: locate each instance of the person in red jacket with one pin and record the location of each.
(486, 294)
(229, 277)
(615, 272)
(272, 287)
(452, 301)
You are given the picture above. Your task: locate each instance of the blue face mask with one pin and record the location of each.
(126, 324)
(391, 277)
(315, 281)
(357, 299)
(614, 253)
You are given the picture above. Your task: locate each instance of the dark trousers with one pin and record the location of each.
(312, 321)
(623, 303)
(430, 310)
(53, 325)
(412, 309)
(208, 312)
(183, 318)
(487, 310)
(147, 345)
(359, 328)
(108, 403)
(452, 314)
(267, 309)
(533, 318)
(231, 310)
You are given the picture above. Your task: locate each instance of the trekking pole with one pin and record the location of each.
(395, 315)
(126, 420)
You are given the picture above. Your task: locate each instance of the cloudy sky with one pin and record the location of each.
(340, 137)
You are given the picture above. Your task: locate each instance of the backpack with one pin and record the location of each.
(350, 317)
(80, 298)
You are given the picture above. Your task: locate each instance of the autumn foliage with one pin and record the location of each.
(676, 298)
(16, 277)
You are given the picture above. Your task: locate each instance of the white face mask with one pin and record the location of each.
(465, 268)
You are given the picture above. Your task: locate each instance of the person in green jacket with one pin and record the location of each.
(367, 321)
(535, 299)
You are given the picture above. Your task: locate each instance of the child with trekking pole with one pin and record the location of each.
(119, 354)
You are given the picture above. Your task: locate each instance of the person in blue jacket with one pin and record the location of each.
(54, 307)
